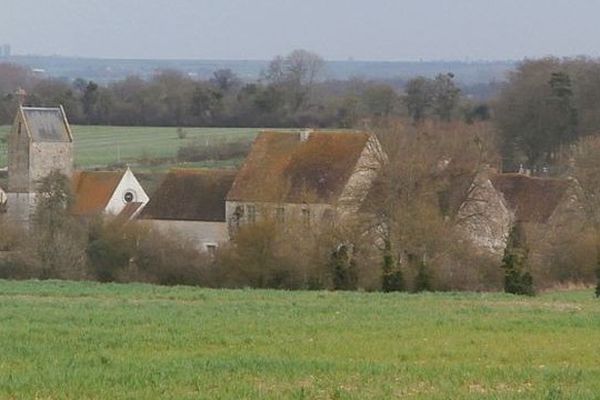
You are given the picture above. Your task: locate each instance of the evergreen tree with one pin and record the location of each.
(423, 279)
(392, 279)
(517, 279)
(343, 269)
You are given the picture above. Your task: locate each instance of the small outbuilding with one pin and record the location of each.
(191, 203)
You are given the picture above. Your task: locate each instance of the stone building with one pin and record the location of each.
(116, 193)
(191, 203)
(497, 201)
(308, 176)
(39, 142)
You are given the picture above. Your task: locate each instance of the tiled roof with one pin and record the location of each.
(191, 194)
(130, 210)
(93, 190)
(284, 167)
(532, 199)
(46, 124)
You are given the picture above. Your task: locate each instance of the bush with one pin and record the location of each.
(343, 269)
(181, 133)
(392, 279)
(422, 279)
(517, 280)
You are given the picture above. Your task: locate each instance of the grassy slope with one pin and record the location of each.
(102, 145)
(86, 340)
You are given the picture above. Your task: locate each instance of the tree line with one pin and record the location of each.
(291, 92)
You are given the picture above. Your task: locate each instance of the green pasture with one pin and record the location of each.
(63, 340)
(98, 146)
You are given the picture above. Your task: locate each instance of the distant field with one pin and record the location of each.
(63, 340)
(102, 145)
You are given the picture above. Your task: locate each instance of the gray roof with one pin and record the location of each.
(46, 124)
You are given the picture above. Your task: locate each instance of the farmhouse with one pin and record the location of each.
(40, 142)
(497, 201)
(308, 176)
(191, 203)
(116, 193)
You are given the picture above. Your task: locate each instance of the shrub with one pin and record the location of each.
(422, 279)
(517, 279)
(181, 133)
(343, 269)
(392, 279)
(59, 238)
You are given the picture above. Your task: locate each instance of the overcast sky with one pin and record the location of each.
(336, 29)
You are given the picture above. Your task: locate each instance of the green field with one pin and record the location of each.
(62, 340)
(97, 146)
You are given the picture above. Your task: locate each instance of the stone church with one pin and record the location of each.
(40, 142)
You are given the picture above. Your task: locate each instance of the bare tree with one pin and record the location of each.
(296, 74)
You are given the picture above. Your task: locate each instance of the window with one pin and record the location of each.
(129, 196)
(211, 249)
(280, 214)
(306, 216)
(251, 210)
(19, 129)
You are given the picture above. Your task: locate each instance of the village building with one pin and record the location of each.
(307, 176)
(497, 201)
(116, 193)
(39, 142)
(190, 203)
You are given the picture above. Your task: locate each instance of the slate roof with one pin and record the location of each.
(93, 190)
(282, 167)
(191, 195)
(532, 199)
(46, 124)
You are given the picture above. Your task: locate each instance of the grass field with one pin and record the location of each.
(103, 145)
(62, 340)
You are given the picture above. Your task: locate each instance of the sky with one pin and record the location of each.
(393, 30)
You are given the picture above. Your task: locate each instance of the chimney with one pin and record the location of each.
(305, 134)
(21, 95)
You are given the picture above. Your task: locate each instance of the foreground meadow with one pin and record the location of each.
(63, 340)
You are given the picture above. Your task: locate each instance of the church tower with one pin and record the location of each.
(40, 142)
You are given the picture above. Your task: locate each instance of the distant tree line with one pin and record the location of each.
(545, 107)
(291, 92)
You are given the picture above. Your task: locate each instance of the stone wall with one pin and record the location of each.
(199, 233)
(366, 171)
(239, 213)
(18, 158)
(20, 207)
(46, 157)
(484, 218)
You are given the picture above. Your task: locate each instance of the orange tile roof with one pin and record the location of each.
(93, 190)
(283, 168)
(191, 195)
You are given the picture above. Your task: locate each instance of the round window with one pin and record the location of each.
(129, 196)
